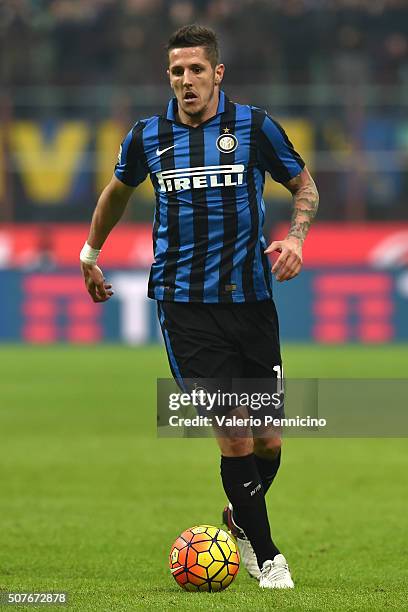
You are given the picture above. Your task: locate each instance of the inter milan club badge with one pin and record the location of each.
(227, 143)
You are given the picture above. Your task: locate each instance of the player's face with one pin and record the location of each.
(194, 81)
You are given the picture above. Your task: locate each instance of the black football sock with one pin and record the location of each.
(268, 469)
(243, 487)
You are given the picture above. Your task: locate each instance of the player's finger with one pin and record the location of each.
(276, 245)
(92, 290)
(97, 298)
(290, 271)
(292, 259)
(106, 294)
(286, 267)
(101, 291)
(280, 261)
(284, 276)
(286, 273)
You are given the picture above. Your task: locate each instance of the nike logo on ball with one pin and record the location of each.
(158, 152)
(176, 569)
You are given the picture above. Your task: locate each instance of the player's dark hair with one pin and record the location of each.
(196, 36)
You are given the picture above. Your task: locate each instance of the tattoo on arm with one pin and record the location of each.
(305, 204)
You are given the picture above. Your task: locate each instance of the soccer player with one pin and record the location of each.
(207, 158)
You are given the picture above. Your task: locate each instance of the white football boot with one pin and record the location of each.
(246, 551)
(276, 574)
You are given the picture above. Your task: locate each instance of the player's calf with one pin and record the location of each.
(243, 487)
(268, 457)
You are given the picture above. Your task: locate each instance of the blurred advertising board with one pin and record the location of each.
(353, 288)
(51, 246)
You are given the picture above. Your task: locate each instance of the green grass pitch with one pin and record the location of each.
(91, 500)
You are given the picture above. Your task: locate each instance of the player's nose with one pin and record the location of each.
(187, 78)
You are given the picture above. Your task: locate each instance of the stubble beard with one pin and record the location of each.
(199, 113)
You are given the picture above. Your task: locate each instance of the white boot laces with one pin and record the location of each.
(274, 571)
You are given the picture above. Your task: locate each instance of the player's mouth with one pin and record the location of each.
(190, 97)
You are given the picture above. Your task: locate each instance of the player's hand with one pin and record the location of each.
(289, 262)
(95, 283)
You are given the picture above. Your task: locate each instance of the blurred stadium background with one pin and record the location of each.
(77, 75)
(84, 481)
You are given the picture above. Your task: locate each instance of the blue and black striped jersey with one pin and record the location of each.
(207, 234)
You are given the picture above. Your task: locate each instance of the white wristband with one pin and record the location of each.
(88, 255)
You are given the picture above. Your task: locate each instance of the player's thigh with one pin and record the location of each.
(260, 342)
(195, 344)
(202, 355)
(263, 375)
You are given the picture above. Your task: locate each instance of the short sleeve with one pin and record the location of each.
(276, 152)
(131, 167)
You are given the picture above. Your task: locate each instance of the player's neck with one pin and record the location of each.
(209, 111)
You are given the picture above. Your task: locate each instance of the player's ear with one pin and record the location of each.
(219, 73)
(168, 74)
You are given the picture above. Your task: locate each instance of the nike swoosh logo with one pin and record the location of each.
(176, 569)
(158, 152)
(246, 484)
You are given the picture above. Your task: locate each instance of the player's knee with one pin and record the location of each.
(268, 447)
(236, 447)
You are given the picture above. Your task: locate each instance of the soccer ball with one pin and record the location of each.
(204, 558)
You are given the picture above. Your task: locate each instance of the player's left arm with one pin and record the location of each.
(305, 205)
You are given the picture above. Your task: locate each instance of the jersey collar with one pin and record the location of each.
(172, 107)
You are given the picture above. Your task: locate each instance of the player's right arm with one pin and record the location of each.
(130, 170)
(109, 210)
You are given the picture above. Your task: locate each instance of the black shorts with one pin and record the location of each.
(223, 345)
